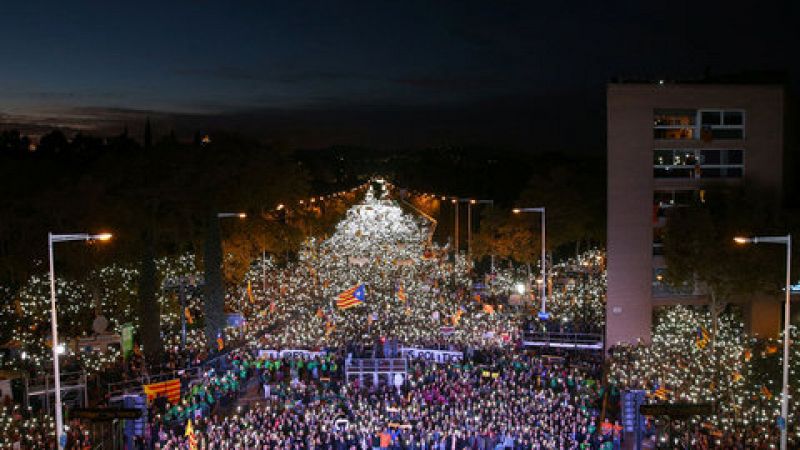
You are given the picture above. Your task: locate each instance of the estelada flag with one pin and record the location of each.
(189, 429)
(702, 338)
(401, 293)
(188, 314)
(766, 392)
(351, 297)
(488, 309)
(250, 292)
(171, 389)
(220, 343)
(661, 393)
(329, 327)
(190, 432)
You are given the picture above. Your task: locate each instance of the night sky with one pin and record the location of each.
(370, 73)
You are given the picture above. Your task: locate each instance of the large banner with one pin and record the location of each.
(432, 355)
(290, 353)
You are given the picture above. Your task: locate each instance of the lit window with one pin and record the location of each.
(698, 163)
(705, 124)
(674, 123)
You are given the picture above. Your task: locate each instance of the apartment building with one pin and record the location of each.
(667, 143)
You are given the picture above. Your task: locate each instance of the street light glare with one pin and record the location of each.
(103, 237)
(242, 215)
(742, 240)
(516, 210)
(280, 207)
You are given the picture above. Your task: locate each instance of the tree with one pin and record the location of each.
(215, 292)
(149, 313)
(572, 194)
(699, 247)
(508, 236)
(52, 143)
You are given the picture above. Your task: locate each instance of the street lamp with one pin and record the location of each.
(543, 288)
(787, 241)
(181, 283)
(455, 240)
(240, 215)
(215, 303)
(469, 221)
(469, 202)
(57, 349)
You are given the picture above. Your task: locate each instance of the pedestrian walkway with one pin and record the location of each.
(629, 442)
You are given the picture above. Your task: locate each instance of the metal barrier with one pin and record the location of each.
(374, 368)
(581, 341)
(73, 388)
(135, 385)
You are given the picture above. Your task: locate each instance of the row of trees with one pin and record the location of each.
(161, 197)
(158, 199)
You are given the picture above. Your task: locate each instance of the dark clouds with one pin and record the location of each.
(492, 71)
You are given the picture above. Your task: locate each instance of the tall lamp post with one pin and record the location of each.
(543, 314)
(215, 296)
(455, 239)
(469, 222)
(787, 241)
(181, 283)
(52, 239)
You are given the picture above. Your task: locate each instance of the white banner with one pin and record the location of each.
(432, 355)
(358, 260)
(290, 353)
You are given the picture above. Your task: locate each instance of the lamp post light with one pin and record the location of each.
(215, 295)
(181, 283)
(52, 239)
(543, 288)
(469, 201)
(455, 238)
(240, 215)
(787, 241)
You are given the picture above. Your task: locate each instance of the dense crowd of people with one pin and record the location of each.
(498, 396)
(515, 401)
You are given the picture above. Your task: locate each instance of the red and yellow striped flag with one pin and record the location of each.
(170, 389)
(351, 297)
(250, 293)
(401, 293)
(192, 438)
(766, 392)
(188, 314)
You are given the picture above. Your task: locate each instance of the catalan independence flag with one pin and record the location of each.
(250, 293)
(170, 389)
(702, 338)
(401, 293)
(190, 433)
(661, 393)
(766, 392)
(188, 315)
(351, 297)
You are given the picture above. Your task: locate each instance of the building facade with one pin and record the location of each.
(667, 143)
